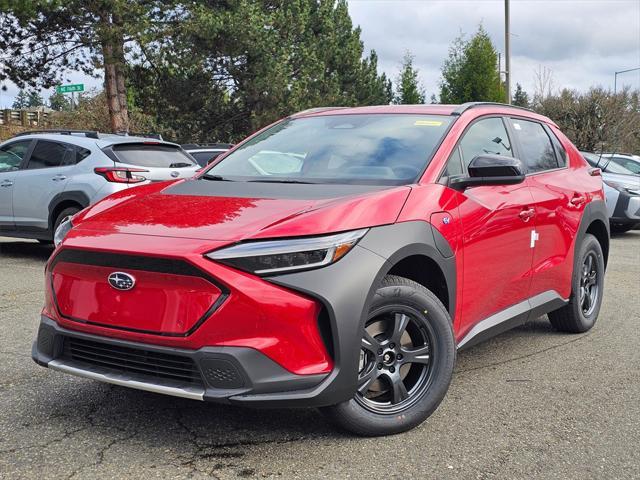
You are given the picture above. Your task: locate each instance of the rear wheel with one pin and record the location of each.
(64, 215)
(407, 355)
(580, 314)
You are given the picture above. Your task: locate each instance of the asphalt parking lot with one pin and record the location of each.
(530, 403)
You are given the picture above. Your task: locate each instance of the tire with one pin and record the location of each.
(622, 227)
(67, 212)
(399, 385)
(45, 242)
(580, 314)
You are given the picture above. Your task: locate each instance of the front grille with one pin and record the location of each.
(160, 366)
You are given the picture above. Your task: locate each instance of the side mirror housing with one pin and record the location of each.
(490, 170)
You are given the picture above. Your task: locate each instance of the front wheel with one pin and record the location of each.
(407, 355)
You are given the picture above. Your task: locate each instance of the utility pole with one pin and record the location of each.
(507, 52)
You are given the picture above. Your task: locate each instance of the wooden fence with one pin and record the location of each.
(24, 118)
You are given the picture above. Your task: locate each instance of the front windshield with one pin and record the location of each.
(380, 149)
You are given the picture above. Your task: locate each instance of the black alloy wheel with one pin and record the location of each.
(395, 359)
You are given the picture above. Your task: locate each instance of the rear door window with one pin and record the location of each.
(536, 148)
(11, 155)
(152, 156)
(47, 154)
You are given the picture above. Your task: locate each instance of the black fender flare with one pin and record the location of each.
(594, 210)
(346, 289)
(75, 196)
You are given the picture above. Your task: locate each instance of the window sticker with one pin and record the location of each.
(428, 123)
(517, 126)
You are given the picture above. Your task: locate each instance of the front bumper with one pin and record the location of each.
(222, 374)
(278, 353)
(627, 209)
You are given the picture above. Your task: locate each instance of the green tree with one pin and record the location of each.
(470, 72)
(520, 97)
(21, 101)
(59, 102)
(409, 91)
(596, 120)
(35, 100)
(41, 40)
(238, 66)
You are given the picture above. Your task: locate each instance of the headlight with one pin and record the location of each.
(630, 188)
(272, 256)
(62, 231)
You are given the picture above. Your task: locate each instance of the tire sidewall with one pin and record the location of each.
(589, 244)
(372, 423)
(67, 212)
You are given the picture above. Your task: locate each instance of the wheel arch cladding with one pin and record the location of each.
(424, 270)
(347, 288)
(66, 200)
(413, 250)
(595, 221)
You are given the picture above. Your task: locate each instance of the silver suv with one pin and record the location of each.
(48, 176)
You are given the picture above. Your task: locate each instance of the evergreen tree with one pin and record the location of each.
(59, 102)
(242, 65)
(408, 90)
(520, 97)
(470, 73)
(41, 40)
(21, 101)
(34, 100)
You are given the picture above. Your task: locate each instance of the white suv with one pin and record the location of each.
(48, 176)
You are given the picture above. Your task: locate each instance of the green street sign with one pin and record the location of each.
(78, 87)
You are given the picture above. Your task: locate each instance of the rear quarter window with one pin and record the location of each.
(152, 156)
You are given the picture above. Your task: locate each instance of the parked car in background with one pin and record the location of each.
(205, 153)
(628, 161)
(48, 176)
(622, 190)
(344, 278)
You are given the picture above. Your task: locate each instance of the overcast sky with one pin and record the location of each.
(582, 42)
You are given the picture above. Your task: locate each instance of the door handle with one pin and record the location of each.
(6, 183)
(59, 178)
(526, 215)
(577, 200)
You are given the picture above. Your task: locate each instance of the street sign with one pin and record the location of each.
(78, 87)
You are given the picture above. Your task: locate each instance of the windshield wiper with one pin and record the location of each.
(216, 178)
(283, 180)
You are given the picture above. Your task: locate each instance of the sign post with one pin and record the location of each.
(75, 87)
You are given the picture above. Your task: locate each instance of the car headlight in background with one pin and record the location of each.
(630, 188)
(63, 229)
(272, 256)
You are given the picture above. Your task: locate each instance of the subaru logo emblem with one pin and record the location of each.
(121, 281)
(175, 174)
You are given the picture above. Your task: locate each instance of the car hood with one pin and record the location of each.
(632, 180)
(233, 211)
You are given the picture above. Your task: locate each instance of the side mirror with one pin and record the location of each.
(490, 170)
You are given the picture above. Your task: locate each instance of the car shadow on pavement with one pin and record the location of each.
(185, 431)
(26, 249)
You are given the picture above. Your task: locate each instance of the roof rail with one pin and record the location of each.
(468, 105)
(315, 110)
(155, 136)
(86, 133)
